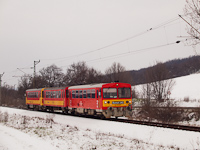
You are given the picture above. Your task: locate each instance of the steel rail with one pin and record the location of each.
(157, 124)
(147, 123)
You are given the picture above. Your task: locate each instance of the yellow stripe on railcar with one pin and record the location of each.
(116, 102)
(53, 103)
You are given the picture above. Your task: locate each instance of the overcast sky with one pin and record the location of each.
(99, 32)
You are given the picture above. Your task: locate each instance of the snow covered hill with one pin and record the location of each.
(22, 130)
(186, 88)
(30, 130)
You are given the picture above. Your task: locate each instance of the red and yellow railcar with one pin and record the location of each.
(55, 98)
(34, 98)
(105, 99)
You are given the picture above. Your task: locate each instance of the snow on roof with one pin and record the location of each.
(35, 89)
(87, 86)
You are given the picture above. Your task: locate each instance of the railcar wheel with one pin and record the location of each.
(44, 108)
(51, 109)
(102, 117)
(65, 111)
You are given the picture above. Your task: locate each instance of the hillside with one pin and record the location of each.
(186, 90)
(176, 68)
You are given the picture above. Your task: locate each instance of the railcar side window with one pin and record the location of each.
(88, 93)
(73, 94)
(51, 94)
(84, 94)
(48, 94)
(124, 92)
(56, 94)
(77, 94)
(32, 95)
(109, 93)
(80, 94)
(59, 94)
(93, 93)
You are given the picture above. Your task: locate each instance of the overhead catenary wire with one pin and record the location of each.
(118, 42)
(115, 43)
(125, 40)
(136, 51)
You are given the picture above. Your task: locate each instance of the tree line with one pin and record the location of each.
(53, 76)
(79, 73)
(76, 74)
(175, 67)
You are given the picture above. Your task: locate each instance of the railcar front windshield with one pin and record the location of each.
(109, 92)
(124, 92)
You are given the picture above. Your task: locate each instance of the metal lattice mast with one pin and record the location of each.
(0, 88)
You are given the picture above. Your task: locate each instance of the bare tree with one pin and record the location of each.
(117, 72)
(158, 85)
(51, 76)
(76, 74)
(94, 76)
(79, 73)
(192, 12)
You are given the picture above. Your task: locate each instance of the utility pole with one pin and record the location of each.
(34, 73)
(1, 75)
(190, 25)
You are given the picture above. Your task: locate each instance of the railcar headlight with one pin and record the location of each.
(129, 101)
(105, 102)
(126, 101)
(108, 102)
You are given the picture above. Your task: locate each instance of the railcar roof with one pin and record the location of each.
(87, 86)
(35, 89)
(54, 88)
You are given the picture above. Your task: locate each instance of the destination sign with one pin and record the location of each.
(118, 102)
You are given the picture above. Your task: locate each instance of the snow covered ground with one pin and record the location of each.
(30, 130)
(185, 88)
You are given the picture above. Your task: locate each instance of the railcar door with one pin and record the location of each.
(98, 96)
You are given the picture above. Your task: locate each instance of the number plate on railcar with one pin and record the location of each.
(118, 102)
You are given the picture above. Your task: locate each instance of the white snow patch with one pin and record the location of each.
(33, 131)
(186, 87)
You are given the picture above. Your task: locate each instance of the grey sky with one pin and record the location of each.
(57, 31)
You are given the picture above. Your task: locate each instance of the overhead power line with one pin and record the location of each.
(119, 42)
(136, 51)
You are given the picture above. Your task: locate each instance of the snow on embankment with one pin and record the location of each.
(185, 87)
(100, 134)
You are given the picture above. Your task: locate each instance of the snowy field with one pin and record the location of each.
(185, 88)
(29, 130)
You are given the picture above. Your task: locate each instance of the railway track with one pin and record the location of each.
(147, 123)
(156, 124)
